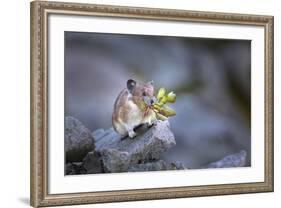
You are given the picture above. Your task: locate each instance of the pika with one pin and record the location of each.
(133, 108)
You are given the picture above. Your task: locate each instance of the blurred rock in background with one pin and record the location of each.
(211, 78)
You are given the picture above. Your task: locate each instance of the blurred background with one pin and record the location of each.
(211, 78)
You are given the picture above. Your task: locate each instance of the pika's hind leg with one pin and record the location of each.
(120, 128)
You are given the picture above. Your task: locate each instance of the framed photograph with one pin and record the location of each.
(142, 103)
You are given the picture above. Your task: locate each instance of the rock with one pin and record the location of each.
(235, 160)
(109, 138)
(74, 168)
(156, 166)
(104, 151)
(98, 134)
(117, 154)
(78, 140)
(115, 161)
(92, 163)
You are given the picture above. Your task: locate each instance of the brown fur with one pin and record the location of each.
(130, 109)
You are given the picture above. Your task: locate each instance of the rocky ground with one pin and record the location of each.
(104, 151)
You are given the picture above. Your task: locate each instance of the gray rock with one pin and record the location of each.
(98, 134)
(156, 166)
(235, 160)
(117, 154)
(109, 139)
(78, 140)
(74, 168)
(92, 163)
(115, 161)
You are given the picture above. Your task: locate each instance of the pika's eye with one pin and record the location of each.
(144, 94)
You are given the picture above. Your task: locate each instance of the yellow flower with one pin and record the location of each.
(161, 93)
(167, 111)
(171, 97)
(163, 111)
(161, 117)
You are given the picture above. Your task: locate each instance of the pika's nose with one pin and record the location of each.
(151, 101)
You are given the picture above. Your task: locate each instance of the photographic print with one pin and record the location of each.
(137, 103)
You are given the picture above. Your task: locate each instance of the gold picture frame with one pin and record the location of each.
(39, 103)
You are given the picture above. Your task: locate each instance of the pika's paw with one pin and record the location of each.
(151, 123)
(132, 134)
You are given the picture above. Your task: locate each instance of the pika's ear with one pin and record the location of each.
(151, 82)
(131, 84)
